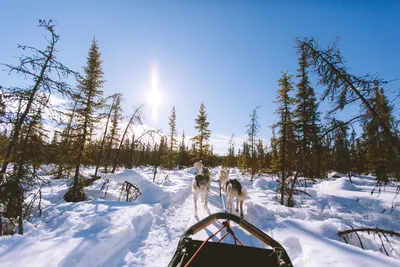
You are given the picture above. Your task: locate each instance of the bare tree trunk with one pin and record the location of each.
(21, 217)
(292, 188)
(104, 139)
(155, 172)
(1, 224)
(40, 202)
(132, 151)
(283, 181)
(134, 115)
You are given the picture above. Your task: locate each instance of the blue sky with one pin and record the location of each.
(227, 54)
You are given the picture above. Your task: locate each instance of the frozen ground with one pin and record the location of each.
(104, 232)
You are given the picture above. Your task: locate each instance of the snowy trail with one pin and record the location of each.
(159, 245)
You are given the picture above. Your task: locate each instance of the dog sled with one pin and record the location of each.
(195, 253)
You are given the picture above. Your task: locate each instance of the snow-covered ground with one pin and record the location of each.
(105, 232)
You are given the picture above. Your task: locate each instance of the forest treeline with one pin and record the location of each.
(92, 131)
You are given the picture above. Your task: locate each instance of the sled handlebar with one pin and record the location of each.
(263, 237)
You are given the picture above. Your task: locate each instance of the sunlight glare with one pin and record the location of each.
(155, 96)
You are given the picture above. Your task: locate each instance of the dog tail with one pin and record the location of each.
(228, 187)
(197, 178)
(243, 194)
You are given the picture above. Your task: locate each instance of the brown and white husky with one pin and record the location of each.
(198, 166)
(223, 176)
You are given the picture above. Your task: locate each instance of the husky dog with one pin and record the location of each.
(223, 178)
(198, 166)
(201, 185)
(235, 190)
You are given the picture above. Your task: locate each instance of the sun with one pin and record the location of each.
(154, 97)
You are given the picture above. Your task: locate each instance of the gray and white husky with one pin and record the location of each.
(201, 186)
(235, 190)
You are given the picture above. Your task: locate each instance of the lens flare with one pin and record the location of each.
(154, 97)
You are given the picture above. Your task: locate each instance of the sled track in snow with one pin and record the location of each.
(157, 246)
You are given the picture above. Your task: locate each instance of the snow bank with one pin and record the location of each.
(165, 193)
(264, 184)
(338, 184)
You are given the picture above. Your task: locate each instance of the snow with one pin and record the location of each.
(106, 232)
(342, 183)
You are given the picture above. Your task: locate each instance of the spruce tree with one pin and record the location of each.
(360, 156)
(353, 154)
(343, 88)
(306, 121)
(172, 139)
(261, 159)
(380, 156)
(341, 147)
(201, 140)
(160, 153)
(184, 159)
(89, 101)
(244, 158)
(274, 167)
(285, 163)
(252, 129)
(230, 159)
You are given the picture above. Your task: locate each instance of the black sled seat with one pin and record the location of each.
(195, 253)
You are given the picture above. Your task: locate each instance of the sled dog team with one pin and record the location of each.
(232, 188)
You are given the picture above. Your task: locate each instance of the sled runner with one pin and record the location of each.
(195, 253)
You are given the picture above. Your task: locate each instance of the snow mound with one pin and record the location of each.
(338, 184)
(265, 184)
(152, 193)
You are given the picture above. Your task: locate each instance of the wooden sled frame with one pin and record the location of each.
(203, 253)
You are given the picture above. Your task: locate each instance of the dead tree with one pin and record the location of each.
(131, 190)
(41, 66)
(291, 191)
(104, 135)
(381, 233)
(135, 116)
(343, 88)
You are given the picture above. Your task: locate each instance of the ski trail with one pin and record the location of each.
(163, 237)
